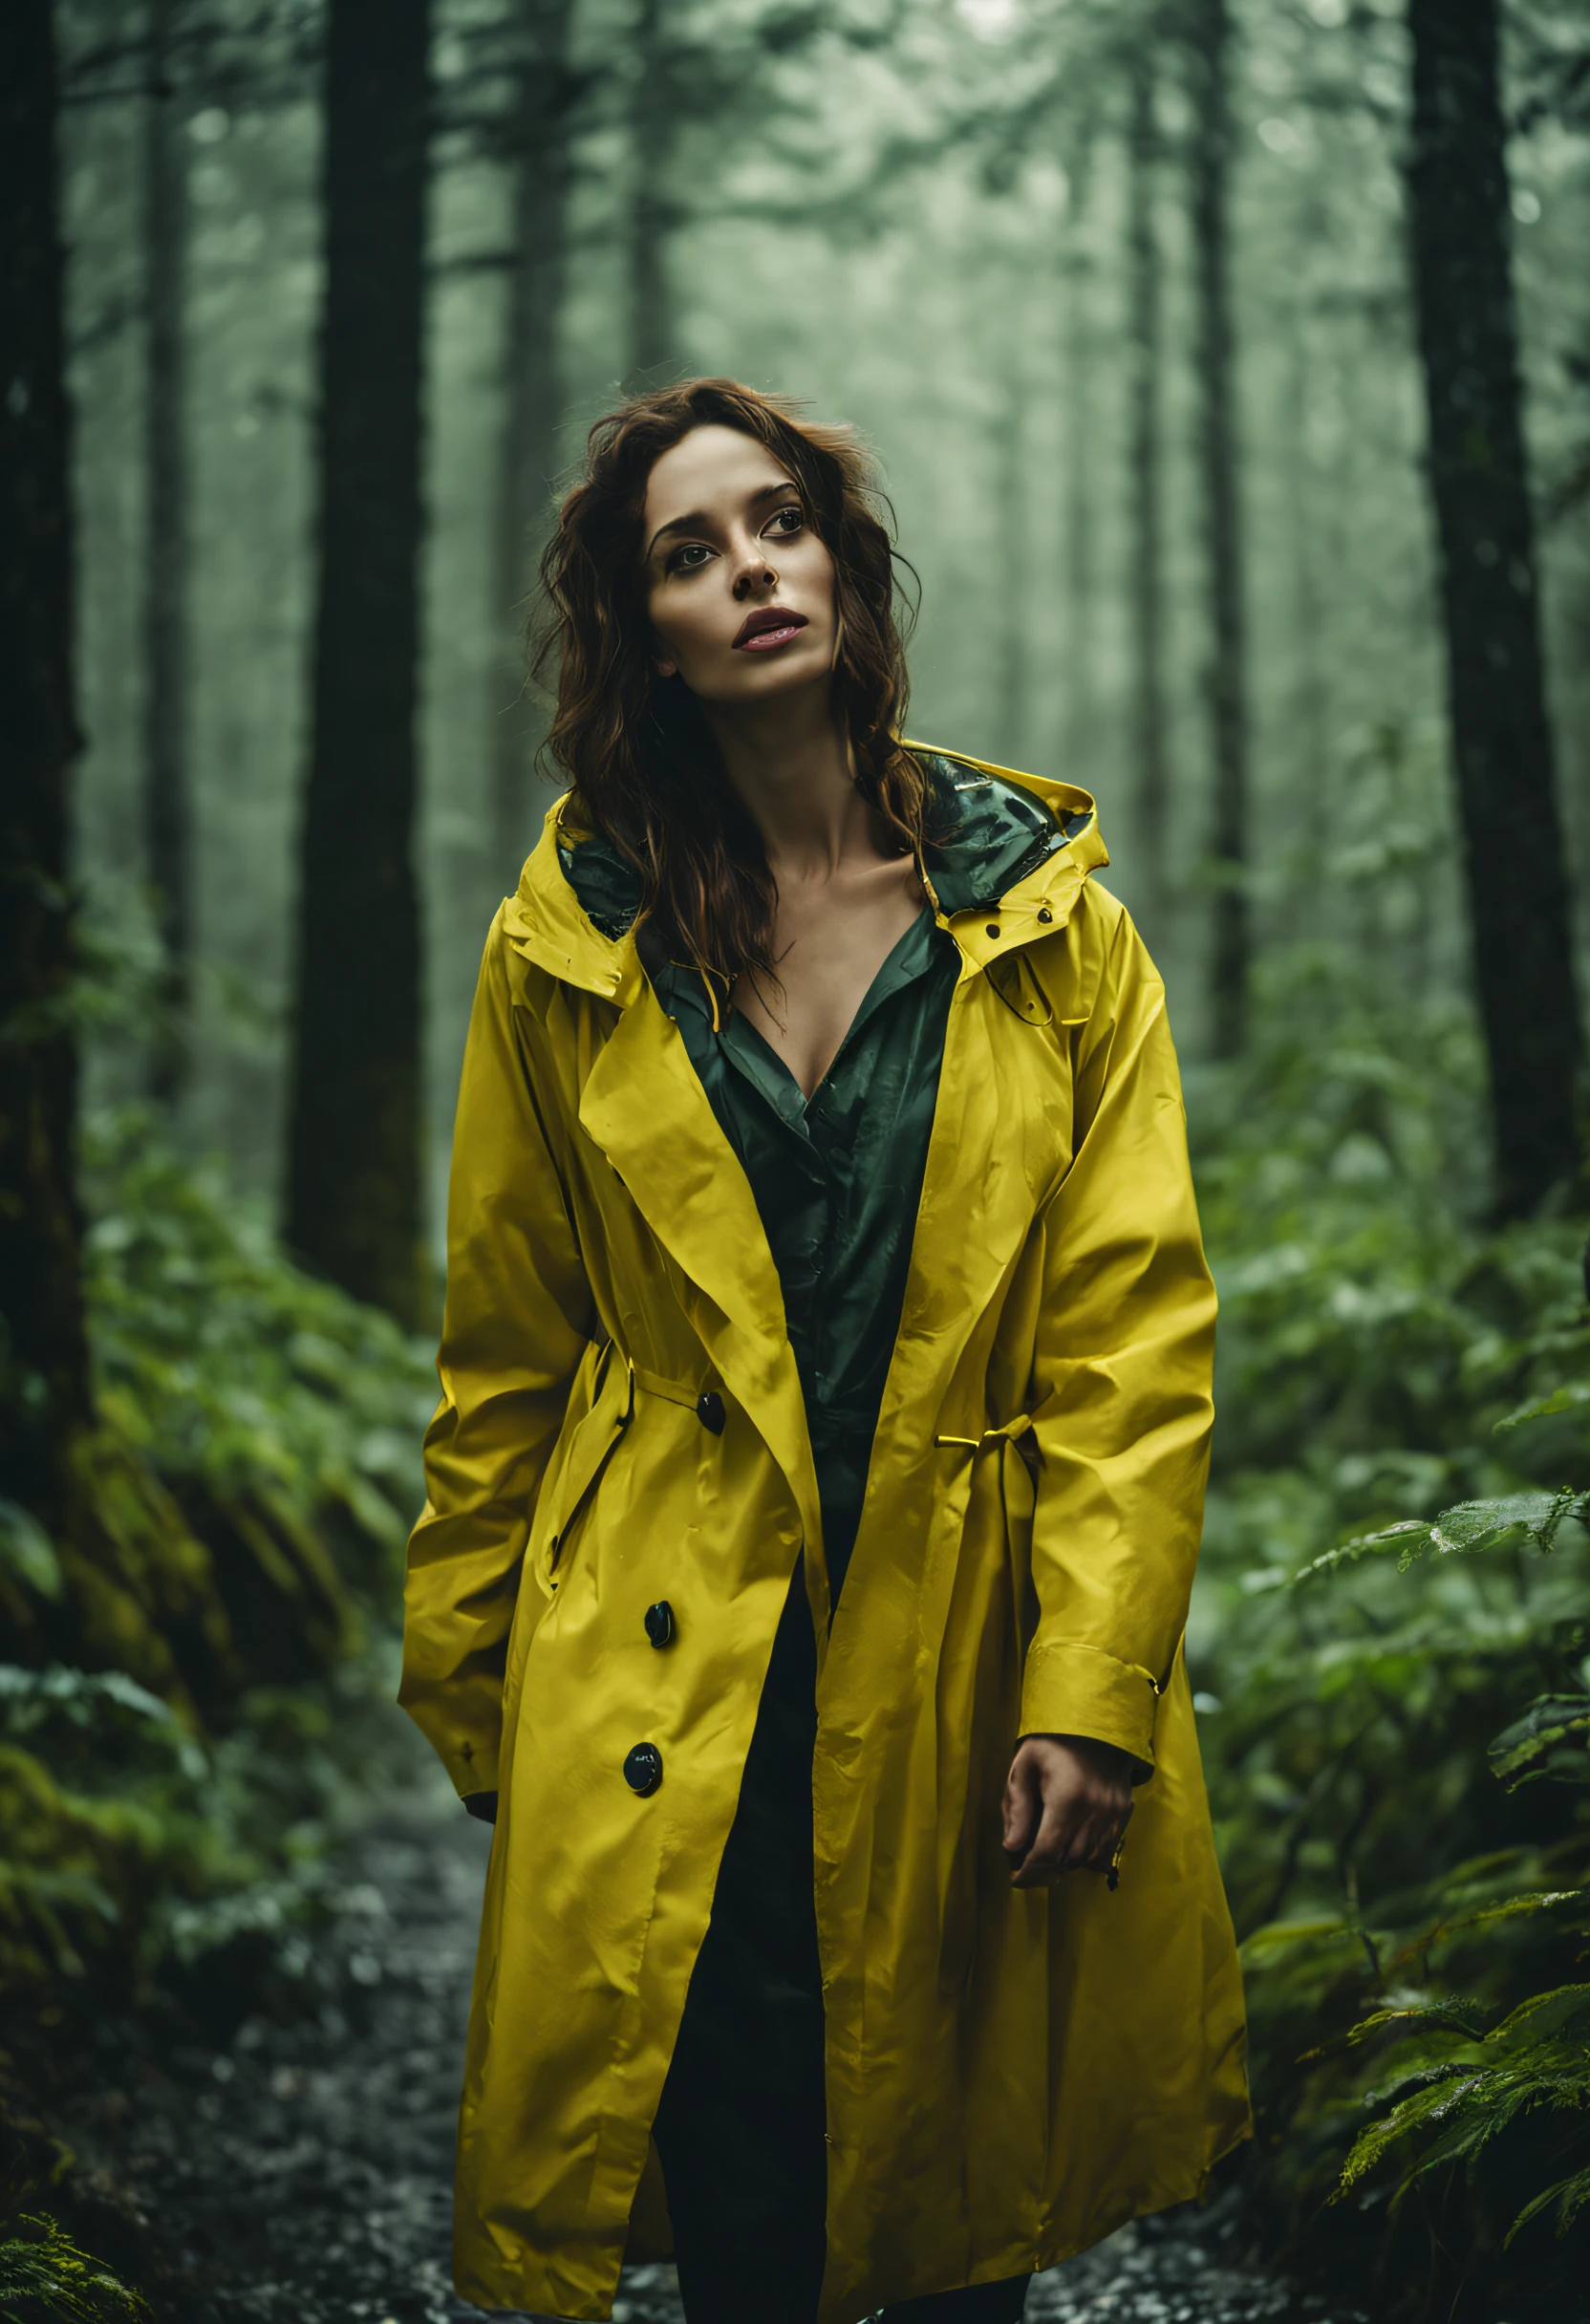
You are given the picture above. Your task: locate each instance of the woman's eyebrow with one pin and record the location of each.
(697, 521)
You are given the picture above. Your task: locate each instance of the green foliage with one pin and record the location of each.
(195, 1663)
(1470, 2088)
(1391, 1618)
(1552, 1740)
(46, 2279)
(283, 1415)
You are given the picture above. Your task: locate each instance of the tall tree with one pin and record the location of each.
(44, 1380)
(653, 351)
(1014, 474)
(1151, 786)
(1078, 518)
(531, 391)
(1208, 40)
(1500, 734)
(355, 1138)
(167, 815)
(1310, 690)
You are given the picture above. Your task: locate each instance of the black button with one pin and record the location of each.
(643, 1769)
(993, 929)
(659, 1623)
(709, 1411)
(1045, 916)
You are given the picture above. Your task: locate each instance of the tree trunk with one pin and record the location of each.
(1078, 736)
(526, 455)
(356, 1141)
(1501, 737)
(167, 817)
(1014, 485)
(1209, 51)
(43, 1375)
(1151, 785)
(652, 355)
(1310, 690)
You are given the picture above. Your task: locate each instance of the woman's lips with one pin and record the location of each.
(771, 625)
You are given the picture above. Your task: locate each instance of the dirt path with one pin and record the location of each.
(301, 2175)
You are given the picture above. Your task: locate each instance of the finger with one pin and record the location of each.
(1107, 1840)
(1106, 1810)
(1087, 1835)
(1022, 1807)
(1097, 1846)
(1056, 1831)
(1084, 1837)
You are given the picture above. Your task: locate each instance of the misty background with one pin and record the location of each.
(969, 228)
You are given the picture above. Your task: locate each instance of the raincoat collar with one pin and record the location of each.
(1039, 836)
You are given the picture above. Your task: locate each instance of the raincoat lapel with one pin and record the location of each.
(644, 1106)
(977, 1200)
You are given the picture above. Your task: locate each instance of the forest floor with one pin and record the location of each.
(301, 2174)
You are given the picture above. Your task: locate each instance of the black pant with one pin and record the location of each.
(741, 2129)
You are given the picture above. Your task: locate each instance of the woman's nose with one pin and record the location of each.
(755, 575)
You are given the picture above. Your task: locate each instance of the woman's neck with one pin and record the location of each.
(791, 763)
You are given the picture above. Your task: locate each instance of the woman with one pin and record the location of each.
(815, 1491)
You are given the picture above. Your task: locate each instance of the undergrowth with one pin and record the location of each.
(1391, 1643)
(194, 1677)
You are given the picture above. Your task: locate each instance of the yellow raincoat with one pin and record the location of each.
(1010, 2074)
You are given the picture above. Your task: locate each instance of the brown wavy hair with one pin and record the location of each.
(643, 769)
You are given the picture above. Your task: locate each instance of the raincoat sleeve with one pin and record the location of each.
(512, 1334)
(1122, 1396)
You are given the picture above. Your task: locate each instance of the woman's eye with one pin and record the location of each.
(787, 521)
(689, 557)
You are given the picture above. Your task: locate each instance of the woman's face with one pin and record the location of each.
(738, 587)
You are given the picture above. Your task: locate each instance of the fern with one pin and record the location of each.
(1516, 1520)
(1549, 1743)
(46, 2279)
(1536, 2058)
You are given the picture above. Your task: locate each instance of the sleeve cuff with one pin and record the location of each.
(1074, 1689)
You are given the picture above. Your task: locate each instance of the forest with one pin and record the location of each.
(1228, 362)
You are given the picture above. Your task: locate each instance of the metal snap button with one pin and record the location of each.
(709, 1411)
(659, 1622)
(643, 1769)
(1045, 915)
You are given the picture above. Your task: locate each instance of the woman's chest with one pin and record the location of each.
(831, 946)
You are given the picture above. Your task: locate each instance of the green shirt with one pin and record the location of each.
(837, 1177)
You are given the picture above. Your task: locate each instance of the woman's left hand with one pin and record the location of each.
(1067, 1803)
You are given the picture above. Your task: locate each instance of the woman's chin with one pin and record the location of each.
(767, 677)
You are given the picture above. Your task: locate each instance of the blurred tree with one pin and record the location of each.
(1145, 359)
(167, 811)
(685, 71)
(536, 140)
(1079, 459)
(653, 109)
(1206, 30)
(44, 1387)
(1310, 691)
(1501, 735)
(355, 1135)
(1014, 491)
